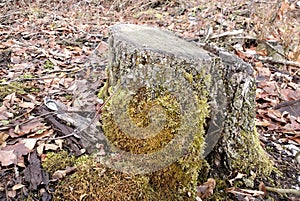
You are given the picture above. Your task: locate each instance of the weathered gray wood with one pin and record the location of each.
(210, 85)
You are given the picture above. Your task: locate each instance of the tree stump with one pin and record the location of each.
(172, 106)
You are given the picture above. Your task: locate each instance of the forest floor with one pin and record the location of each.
(47, 48)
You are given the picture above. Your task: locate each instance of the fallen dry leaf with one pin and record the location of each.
(40, 149)
(4, 114)
(8, 157)
(263, 123)
(238, 176)
(262, 188)
(17, 186)
(11, 194)
(27, 105)
(207, 189)
(29, 127)
(12, 154)
(3, 137)
(51, 147)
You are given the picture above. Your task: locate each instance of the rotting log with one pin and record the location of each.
(173, 106)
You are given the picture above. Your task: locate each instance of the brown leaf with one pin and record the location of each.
(23, 147)
(275, 115)
(27, 105)
(51, 147)
(290, 94)
(262, 188)
(207, 189)
(17, 186)
(263, 123)
(7, 157)
(3, 137)
(34, 174)
(268, 87)
(296, 139)
(9, 99)
(102, 47)
(29, 127)
(11, 194)
(262, 71)
(4, 114)
(40, 149)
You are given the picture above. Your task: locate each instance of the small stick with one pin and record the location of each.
(283, 62)
(283, 191)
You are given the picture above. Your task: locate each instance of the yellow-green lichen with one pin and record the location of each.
(48, 65)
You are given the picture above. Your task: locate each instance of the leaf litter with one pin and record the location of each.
(59, 50)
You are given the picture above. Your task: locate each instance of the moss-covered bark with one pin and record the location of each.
(239, 141)
(171, 103)
(178, 88)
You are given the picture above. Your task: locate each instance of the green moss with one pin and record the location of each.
(28, 75)
(17, 87)
(57, 161)
(93, 181)
(139, 107)
(103, 92)
(189, 77)
(252, 157)
(177, 181)
(48, 65)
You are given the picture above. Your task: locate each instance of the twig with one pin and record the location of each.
(26, 79)
(63, 137)
(285, 104)
(227, 33)
(274, 49)
(283, 62)
(283, 191)
(14, 13)
(265, 2)
(75, 69)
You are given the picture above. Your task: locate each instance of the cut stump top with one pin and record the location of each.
(157, 40)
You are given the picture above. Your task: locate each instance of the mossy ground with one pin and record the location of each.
(93, 181)
(17, 87)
